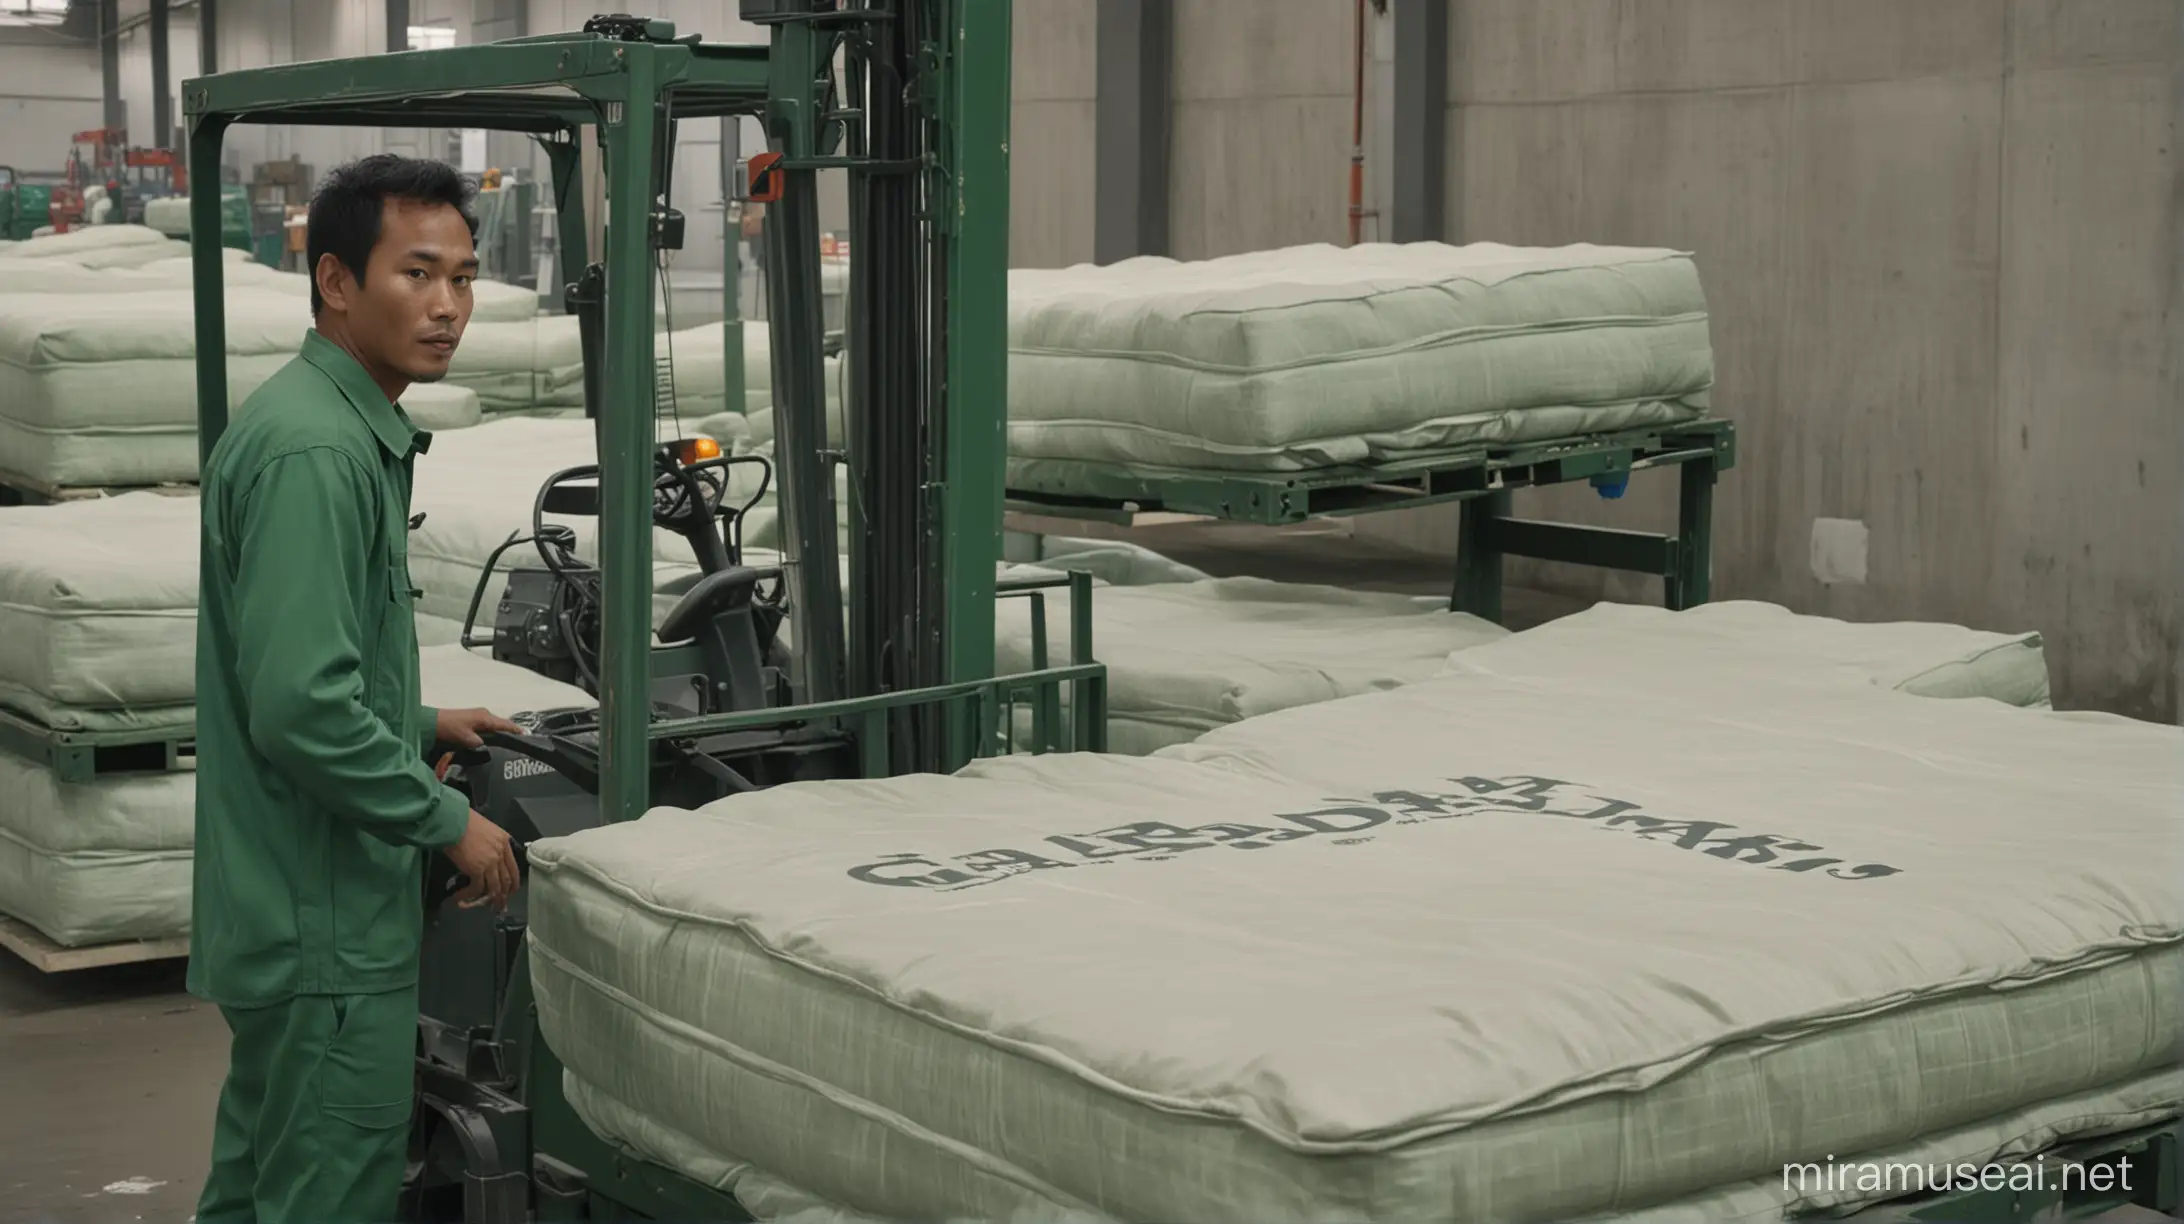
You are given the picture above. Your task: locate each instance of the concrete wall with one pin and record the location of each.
(136, 72)
(1050, 133)
(1939, 243)
(49, 90)
(1261, 155)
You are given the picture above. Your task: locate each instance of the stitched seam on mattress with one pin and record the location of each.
(1418, 344)
(101, 858)
(2092, 957)
(1036, 425)
(95, 611)
(772, 1070)
(1652, 261)
(76, 431)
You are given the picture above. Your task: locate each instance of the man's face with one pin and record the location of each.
(410, 312)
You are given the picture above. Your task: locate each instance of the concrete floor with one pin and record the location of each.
(109, 1078)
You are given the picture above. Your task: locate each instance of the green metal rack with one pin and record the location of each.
(1481, 479)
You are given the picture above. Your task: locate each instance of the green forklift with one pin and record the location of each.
(911, 99)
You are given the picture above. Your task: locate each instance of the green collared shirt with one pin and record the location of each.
(313, 793)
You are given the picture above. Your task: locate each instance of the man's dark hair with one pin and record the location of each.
(346, 209)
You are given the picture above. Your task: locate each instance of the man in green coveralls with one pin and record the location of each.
(315, 800)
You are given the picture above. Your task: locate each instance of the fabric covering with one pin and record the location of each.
(1575, 942)
(98, 861)
(109, 859)
(1313, 356)
(98, 603)
(1184, 658)
(1926, 659)
(98, 383)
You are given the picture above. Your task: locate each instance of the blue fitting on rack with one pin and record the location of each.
(1610, 485)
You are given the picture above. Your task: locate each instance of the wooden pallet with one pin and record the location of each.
(46, 956)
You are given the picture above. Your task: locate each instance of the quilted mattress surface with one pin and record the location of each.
(1482, 947)
(1313, 356)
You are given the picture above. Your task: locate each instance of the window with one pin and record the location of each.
(33, 12)
(421, 38)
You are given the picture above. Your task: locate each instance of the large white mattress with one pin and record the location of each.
(109, 859)
(1485, 947)
(1184, 658)
(1312, 356)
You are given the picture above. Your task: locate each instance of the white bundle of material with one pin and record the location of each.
(36, 276)
(78, 243)
(125, 255)
(476, 489)
(701, 392)
(1921, 658)
(98, 612)
(1313, 356)
(700, 364)
(100, 388)
(110, 859)
(491, 301)
(1184, 658)
(170, 215)
(1479, 948)
(533, 365)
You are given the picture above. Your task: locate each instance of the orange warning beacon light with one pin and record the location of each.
(767, 180)
(698, 450)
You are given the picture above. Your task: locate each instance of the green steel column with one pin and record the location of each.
(571, 243)
(795, 324)
(208, 277)
(976, 159)
(731, 265)
(625, 460)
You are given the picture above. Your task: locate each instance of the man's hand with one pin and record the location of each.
(488, 858)
(462, 728)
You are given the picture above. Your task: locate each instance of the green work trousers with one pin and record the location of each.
(313, 1126)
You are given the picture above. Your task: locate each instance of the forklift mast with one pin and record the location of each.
(910, 98)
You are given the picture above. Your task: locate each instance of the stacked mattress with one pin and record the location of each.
(529, 365)
(1185, 657)
(98, 366)
(101, 246)
(1313, 356)
(98, 632)
(1508, 945)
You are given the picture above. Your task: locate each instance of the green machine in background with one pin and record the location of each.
(893, 674)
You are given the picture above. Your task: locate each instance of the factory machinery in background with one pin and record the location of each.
(911, 98)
